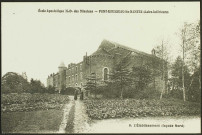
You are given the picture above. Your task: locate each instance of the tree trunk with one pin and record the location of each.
(121, 89)
(121, 93)
(199, 81)
(183, 88)
(154, 83)
(183, 51)
(95, 87)
(162, 74)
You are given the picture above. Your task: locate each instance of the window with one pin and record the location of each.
(105, 74)
(76, 78)
(76, 68)
(69, 79)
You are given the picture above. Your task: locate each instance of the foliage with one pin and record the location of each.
(191, 38)
(142, 76)
(120, 77)
(177, 73)
(36, 86)
(105, 109)
(29, 102)
(194, 91)
(68, 91)
(109, 90)
(92, 83)
(14, 83)
(51, 90)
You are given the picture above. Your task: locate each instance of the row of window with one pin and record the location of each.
(75, 78)
(71, 70)
(76, 85)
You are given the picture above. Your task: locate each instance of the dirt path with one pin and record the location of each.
(75, 119)
(81, 120)
(66, 112)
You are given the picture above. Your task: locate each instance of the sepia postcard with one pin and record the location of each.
(100, 67)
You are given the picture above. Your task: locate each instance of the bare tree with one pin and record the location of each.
(192, 58)
(190, 36)
(163, 53)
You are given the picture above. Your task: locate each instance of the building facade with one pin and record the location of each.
(102, 62)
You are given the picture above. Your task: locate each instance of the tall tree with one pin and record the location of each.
(37, 86)
(162, 52)
(92, 83)
(14, 83)
(190, 46)
(193, 52)
(142, 76)
(177, 73)
(120, 77)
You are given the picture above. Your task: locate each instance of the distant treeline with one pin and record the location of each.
(14, 83)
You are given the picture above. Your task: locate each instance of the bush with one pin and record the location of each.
(29, 102)
(51, 90)
(68, 91)
(105, 109)
(110, 91)
(177, 94)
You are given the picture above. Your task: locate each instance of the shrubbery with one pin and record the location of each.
(104, 109)
(29, 102)
(111, 91)
(68, 91)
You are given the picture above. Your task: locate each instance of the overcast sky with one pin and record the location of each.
(36, 43)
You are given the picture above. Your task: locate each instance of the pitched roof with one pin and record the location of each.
(109, 45)
(101, 51)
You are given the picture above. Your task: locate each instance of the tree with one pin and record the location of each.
(14, 83)
(142, 76)
(190, 38)
(92, 83)
(177, 74)
(162, 52)
(36, 86)
(120, 77)
(51, 89)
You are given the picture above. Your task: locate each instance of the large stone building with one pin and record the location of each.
(102, 62)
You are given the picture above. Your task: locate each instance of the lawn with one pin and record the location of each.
(105, 109)
(43, 121)
(31, 113)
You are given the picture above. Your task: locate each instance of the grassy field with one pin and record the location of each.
(31, 122)
(105, 109)
(31, 113)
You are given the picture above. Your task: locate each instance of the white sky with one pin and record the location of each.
(36, 43)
